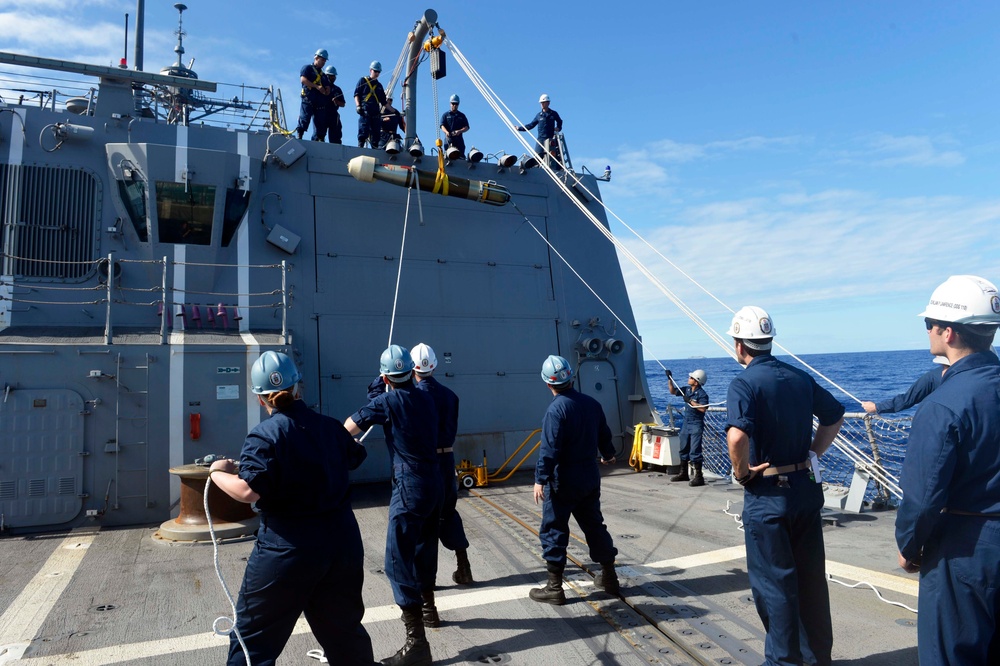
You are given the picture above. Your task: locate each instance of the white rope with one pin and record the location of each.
(874, 589)
(505, 114)
(225, 588)
(397, 69)
(738, 517)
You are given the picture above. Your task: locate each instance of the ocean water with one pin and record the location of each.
(865, 375)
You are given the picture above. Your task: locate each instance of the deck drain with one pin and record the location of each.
(493, 658)
(630, 510)
(705, 646)
(628, 536)
(104, 607)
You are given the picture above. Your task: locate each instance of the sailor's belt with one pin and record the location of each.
(785, 469)
(446, 450)
(958, 512)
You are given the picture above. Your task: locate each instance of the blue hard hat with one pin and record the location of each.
(322, 54)
(556, 370)
(330, 70)
(454, 99)
(273, 372)
(376, 65)
(396, 362)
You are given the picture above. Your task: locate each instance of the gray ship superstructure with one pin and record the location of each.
(147, 260)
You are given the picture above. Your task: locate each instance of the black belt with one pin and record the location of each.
(446, 450)
(958, 512)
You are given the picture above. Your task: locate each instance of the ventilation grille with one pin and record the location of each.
(48, 221)
(8, 490)
(67, 485)
(36, 488)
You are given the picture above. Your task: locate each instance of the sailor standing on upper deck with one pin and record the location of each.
(769, 431)
(369, 98)
(948, 522)
(409, 419)
(568, 481)
(314, 92)
(549, 124)
(454, 124)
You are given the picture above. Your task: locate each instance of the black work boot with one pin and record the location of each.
(463, 574)
(607, 579)
(429, 610)
(683, 474)
(552, 593)
(697, 479)
(416, 651)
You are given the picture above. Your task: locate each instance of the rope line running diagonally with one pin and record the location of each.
(511, 121)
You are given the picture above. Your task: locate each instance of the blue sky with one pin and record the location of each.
(831, 162)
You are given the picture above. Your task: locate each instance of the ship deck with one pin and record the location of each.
(116, 596)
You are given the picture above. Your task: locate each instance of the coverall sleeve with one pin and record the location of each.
(931, 458)
(549, 449)
(920, 389)
(258, 464)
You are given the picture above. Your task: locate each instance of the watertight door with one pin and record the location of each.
(41, 469)
(599, 380)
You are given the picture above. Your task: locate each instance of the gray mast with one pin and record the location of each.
(429, 19)
(140, 15)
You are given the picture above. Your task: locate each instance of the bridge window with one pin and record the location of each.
(184, 212)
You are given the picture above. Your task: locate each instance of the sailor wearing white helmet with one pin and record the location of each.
(549, 124)
(451, 532)
(694, 424)
(409, 420)
(309, 555)
(769, 430)
(568, 481)
(948, 522)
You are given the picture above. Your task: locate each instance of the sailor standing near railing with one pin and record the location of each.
(948, 522)
(694, 424)
(769, 431)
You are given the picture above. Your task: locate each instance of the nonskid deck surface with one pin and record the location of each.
(115, 596)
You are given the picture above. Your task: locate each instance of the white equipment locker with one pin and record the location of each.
(661, 445)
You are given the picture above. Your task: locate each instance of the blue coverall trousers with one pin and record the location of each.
(586, 508)
(786, 562)
(411, 545)
(452, 532)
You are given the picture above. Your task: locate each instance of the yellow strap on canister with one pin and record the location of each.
(440, 178)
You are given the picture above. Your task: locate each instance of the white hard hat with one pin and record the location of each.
(964, 299)
(424, 358)
(543, 98)
(752, 323)
(699, 376)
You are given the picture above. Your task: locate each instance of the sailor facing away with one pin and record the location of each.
(948, 522)
(409, 419)
(309, 557)
(314, 97)
(568, 481)
(920, 389)
(369, 97)
(452, 532)
(769, 430)
(694, 424)
(549, 124)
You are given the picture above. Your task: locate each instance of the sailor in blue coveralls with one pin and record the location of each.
(568, 481)
(452, 532)
(392, 122)
(920, 389)
(369, 98)
(309, 556)
(769, 431)
(549, 124)
(314, 101)
(409, 420)
(694, 425)
(948, 522)
(454, 124)
(334, 103)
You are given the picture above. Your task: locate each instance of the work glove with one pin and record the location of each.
(361, 110)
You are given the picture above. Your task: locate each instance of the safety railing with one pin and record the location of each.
(870, 443)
